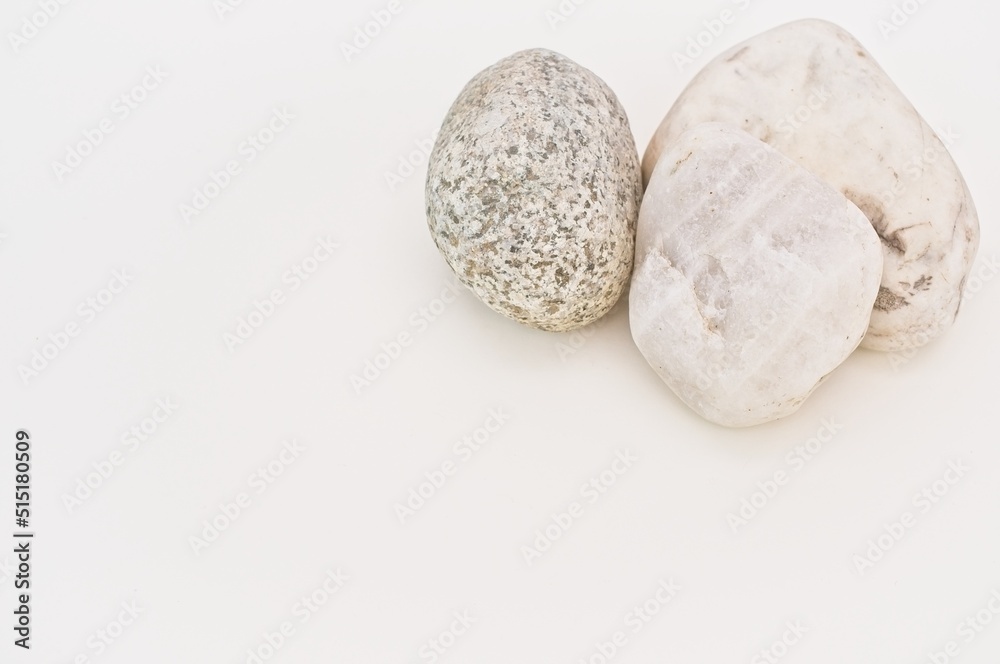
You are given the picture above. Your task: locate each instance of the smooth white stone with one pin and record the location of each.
(754, 279)
(811, 90)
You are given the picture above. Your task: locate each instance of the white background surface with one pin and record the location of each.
(569, 414)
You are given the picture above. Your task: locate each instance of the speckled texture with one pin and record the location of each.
(533, 191)
(811, 90)
(754, 279)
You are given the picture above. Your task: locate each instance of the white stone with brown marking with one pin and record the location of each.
(813, 92)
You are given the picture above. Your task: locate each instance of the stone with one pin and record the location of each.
(533, 191)
(810, 90)
(754, 279)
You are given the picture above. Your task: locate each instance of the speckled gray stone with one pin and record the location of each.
(533, 191)
(811, 90)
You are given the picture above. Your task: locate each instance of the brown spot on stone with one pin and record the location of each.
(872, 208)
(894, 242)
(681, 161)
(889, 301)
(961, 289)
(738, 54)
